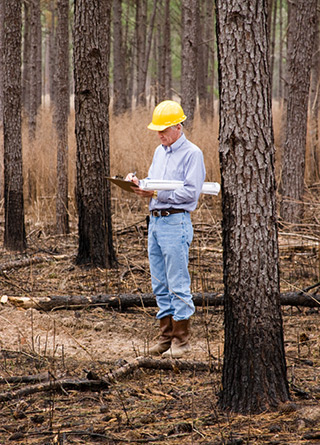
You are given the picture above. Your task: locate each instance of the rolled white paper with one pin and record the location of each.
(209, 188)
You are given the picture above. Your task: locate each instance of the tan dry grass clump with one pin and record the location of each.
(131, 149)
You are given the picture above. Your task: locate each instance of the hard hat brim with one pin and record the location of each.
(154, 127)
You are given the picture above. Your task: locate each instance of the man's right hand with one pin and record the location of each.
(132, 178)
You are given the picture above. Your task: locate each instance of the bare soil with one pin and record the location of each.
(148, 405)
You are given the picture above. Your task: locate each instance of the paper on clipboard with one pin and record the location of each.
(209, 188)
(122, 183)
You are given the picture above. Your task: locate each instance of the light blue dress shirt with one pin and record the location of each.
(182, 161)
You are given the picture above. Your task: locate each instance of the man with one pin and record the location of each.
(170, 228)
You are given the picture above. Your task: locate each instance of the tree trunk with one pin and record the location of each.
(91, 63)
(26, 59)
(300, 45)
(52, 53)
(280, 90)
(61, 116)
(189, 59)
(34, 66)
(141, 35)
(202, 65)
(14, 234)
(273, 23)
(314, 158)
(167, 52)
(119, 62)
(1, 65)
(254, 370)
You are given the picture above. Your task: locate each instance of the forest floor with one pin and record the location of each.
(144, 405)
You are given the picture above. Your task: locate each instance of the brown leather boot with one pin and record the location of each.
(164, 341)
(180, 345)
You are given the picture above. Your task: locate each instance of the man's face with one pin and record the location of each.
(170, 135)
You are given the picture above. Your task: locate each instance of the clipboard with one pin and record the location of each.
(122, 183)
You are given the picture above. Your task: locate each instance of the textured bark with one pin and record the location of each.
(167, 52)
(280, 86)
(119, 62)
(141, 37)
(34, 67)
(254, 370)
(61, 116)
(299, 56)
(14, 234)
(1, 65)
(91, 62)
(52, 53)
(26, 58)
(189, 59)
(314, 158)
(205, 59)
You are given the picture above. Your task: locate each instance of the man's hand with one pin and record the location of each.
(138, 191)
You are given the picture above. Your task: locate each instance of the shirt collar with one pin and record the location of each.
(174, 147)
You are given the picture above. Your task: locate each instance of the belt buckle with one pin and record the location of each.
(156, 213)
(165, 213)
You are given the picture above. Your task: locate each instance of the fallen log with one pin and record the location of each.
(125, 301)
(56, 385)
(150, 363)
(95, 383)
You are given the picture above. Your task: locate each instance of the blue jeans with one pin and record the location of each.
(169, 240)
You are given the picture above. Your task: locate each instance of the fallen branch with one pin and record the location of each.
(55, 385)
(150, 363)
(25, 262)
(125, 301)
(43, 377)
(101, 383)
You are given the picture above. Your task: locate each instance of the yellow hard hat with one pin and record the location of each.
(166, 114)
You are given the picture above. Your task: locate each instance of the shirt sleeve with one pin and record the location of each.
(194, 177)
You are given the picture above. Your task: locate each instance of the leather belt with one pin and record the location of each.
(166, 212)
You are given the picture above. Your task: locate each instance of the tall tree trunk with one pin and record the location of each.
(273, 14)
(254, 369)
(52, 53)
(61, 116)
(209, 37)
(91, 63)
(189, 59)
(26, 58)
(1, 65)
(300, 46)
(34, 66)
(314, 159)
(141, 36)
(167, 51)
(119, 62)
(280, 91)
(14, 233)
(202, 65)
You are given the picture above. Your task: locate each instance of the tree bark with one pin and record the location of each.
(34, 66)
(254, 371)
(141, 36)
(26, 59)
(14, 234)
(189, 59)
(300, 45)
(61, 116)
(314, 157)
(91, 63)
(119, 62)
